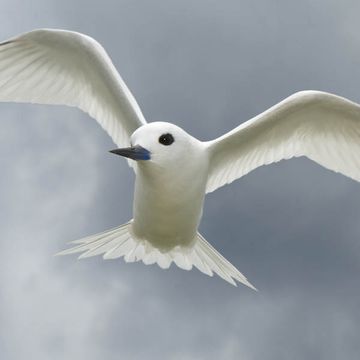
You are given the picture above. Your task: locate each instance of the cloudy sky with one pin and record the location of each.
(292, 228)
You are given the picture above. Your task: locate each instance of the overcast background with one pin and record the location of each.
(292, 228)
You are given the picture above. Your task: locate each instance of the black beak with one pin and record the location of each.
(134, 152)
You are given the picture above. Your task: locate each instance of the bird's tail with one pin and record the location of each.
(120, 242)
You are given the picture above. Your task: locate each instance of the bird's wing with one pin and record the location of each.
(321, 126)
(67, 68)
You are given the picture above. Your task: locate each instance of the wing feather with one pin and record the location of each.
(67, 68)
(321, 126)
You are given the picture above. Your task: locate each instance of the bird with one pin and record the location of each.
(174, 170)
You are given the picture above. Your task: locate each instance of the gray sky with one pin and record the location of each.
(292, 228)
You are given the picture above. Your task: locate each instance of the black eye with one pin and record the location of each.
(166, 139)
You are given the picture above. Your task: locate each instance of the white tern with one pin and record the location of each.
(173, 170)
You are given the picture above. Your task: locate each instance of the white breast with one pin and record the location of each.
(168, 202)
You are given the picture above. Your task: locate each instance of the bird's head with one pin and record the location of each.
(160, 143)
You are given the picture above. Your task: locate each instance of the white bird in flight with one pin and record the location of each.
(173, 170)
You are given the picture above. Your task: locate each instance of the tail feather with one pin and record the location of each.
(94, 237)
(226, 269)
(182, 260)
(163, 260)
(200, 264)
(120, 242)
(150, 258)
(120, 250)
(104, 245)
(94, 241)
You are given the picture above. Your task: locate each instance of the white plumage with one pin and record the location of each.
(67, 68)
(173, 169)
(321, 126)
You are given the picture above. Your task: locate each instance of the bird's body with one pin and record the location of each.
(167, 213)
(169, 195)
(173, 170)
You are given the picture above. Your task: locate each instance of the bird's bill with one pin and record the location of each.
(136, 152)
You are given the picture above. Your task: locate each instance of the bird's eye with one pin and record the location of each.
(166, 139)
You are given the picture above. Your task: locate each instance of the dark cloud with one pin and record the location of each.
(292, 227)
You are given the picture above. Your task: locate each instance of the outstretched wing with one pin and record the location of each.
(68, 68)
(321, 126)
